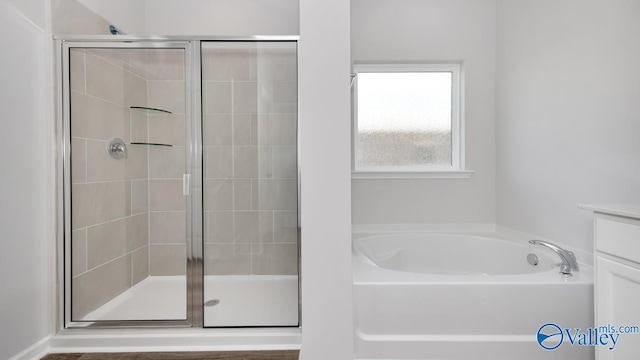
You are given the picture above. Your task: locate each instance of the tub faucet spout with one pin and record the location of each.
(568, 258)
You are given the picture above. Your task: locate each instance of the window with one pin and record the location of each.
(407, 120)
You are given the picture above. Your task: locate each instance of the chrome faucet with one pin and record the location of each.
(568, 258)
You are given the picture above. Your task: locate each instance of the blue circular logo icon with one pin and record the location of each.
(550, 336)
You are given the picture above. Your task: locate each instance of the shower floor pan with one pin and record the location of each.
(234, 301)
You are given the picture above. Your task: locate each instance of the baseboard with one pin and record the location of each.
(35, 351)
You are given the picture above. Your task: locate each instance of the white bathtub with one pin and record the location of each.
(462, 296)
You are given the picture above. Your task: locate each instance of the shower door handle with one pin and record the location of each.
(186, 184)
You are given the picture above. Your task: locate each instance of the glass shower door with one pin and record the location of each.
(250, 184)
(127, 225)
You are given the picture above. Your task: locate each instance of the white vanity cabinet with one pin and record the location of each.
(617, 276)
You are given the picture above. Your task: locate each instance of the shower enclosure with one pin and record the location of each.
(179, 182)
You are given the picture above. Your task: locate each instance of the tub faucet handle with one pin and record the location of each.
(568, 258)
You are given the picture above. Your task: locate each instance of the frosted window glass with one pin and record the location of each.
(404, 119)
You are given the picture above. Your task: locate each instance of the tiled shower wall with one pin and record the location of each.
(167, 216)
(250, 161)
(109, 197)
(128, 215)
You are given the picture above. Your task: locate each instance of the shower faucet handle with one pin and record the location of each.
(117, 149)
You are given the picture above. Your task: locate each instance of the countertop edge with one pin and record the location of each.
(626, 210)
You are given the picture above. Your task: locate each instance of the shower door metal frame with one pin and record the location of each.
(192, 164)
(193, 168)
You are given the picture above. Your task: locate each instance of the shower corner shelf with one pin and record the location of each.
(150, 110)
(149, 143)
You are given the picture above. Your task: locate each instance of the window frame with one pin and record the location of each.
(456, 170)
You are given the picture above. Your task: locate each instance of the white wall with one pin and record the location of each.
(177, 17)
(568, 95)
(71, 17)
(128, 15)
(433, 30)
(327, 316)
(222, 17)
(26, 214)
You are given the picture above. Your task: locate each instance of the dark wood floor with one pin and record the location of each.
(218, 355)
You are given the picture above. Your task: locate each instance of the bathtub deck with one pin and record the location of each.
(260, 300)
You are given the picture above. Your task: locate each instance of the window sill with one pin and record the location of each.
(407, 175)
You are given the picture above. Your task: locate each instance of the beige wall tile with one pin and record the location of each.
(276, 61)
(285, 226)
(242, 194)
(265, 97)
(219, 227)
(167, 129)
(104, 80)
(217, 97)
(285, 97)
(226, 62)
(139, 196)
(168, 227)
(218, 194)
(245, 162)
(265, 226)
(277, 97)
(77, 70)
(166, 162)
(285, 162)
(286, 194)
(277, 194)
(137, 231)
(135, 90)
(165, 64)
(166, 95)
(139, 126)
(96, 287)
(277, 129)
(227, 259)
(246, 226)
(166, 195)
(106, 242)
(130, 60)
(101, 166)
(136, 62)
(255, 134)
(242, 129)
(167, 260)
(136, 162)
(96, 203)
(97, 119)
(78, 252)
(255, 194)
(216, 130)
(275, 259)
(245, 97)
(251, 226)
(265, 162)
(219, 162)
(139, 265)
(78, 160)
(110, 55)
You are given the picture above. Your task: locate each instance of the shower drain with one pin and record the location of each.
(213, 302)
